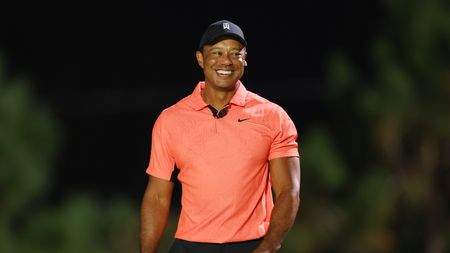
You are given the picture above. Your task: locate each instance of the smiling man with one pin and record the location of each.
(232, 148)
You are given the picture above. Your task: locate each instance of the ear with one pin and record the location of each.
(199, 56)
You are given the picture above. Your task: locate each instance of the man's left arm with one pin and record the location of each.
(285, 175)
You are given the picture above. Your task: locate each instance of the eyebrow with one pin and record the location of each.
(234, 48)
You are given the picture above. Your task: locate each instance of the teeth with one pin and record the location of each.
(224, 72)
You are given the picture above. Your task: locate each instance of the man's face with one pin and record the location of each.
(222, 63)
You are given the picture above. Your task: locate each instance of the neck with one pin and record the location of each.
(217, 98)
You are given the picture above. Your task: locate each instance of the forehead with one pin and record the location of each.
(227, 43)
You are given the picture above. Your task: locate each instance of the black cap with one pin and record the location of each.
(221, 29)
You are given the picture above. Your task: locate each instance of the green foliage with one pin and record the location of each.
(83, 225)
(27, 144)
(325, 167)
(29, 137)
(375, 180)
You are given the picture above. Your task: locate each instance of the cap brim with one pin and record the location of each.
(225, 36)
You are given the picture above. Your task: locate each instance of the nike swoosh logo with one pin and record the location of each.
(240, 120)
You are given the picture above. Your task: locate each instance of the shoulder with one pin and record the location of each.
(177, 108)
(269, 107)
(174, 113)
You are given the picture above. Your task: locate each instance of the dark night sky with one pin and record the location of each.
(108, 69)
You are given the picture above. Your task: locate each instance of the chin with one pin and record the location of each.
(226, 86)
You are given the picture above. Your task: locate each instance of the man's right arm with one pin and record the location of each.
(155, 209)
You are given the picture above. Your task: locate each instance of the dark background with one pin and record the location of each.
(366, 83)
(108, 69)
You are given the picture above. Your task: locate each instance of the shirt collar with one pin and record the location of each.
(197, 103)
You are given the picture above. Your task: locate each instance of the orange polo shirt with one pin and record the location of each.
(223, 162)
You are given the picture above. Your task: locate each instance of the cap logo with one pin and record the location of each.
(226, 26)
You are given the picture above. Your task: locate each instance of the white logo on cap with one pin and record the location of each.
(226, 26)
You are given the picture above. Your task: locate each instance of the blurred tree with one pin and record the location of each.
(385, 186)
(28, 222)
(27, 145)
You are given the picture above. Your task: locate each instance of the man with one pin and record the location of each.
(232, 147)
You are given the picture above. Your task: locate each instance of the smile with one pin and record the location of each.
(224, 72)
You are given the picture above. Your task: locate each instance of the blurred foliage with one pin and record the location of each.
(29, 136)
(27, 142)
(376, 178)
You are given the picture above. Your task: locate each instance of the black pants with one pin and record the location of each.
(182, 246)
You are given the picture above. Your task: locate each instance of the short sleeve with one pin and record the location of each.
(285, 141)
(162, 162)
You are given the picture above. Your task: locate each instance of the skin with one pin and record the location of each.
(155, 209)
(285, 175)
(223, 66)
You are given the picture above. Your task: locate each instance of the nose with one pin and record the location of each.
(225, 59)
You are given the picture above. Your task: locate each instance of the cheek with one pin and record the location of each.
(208, 69)
(209, 64)
(210, 61)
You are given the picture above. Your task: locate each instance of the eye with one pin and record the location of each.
(236, 54)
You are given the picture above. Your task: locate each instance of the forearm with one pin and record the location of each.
(154, 216)
(282, 219)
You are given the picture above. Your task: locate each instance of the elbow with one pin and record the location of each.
(295, 198)
(290, 195)
(295, 195)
